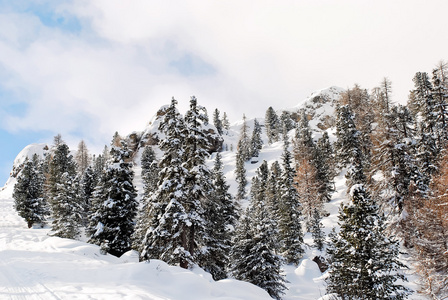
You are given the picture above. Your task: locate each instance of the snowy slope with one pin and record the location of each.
(36, 266)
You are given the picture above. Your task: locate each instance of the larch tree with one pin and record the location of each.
(82, 157)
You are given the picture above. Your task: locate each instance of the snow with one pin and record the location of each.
(36, 266)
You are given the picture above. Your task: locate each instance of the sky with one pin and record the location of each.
(88, 68)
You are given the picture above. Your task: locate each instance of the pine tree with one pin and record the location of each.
(200, 189)
(348, 146)
(244, 144)
(359, 102)
(170, 219)
(82, 157)
(150, 178)
(256, 143)
(224, 215)
(363, 261)
(290, 215)
(240, 172)
(325, 168)
(225, 122)
(112, 222)
(64, 192)
(28, 193)
(217, 121)
(273, 190)
(67, 207)
(272, 125)
(286, 121)
(253, 254)
(316, 230)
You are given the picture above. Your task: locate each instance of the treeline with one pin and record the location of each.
(394, 158)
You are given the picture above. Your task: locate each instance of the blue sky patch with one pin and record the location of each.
(192, 65)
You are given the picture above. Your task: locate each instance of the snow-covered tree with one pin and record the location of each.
(217, 121)
(222, 214)
(290, 215)
(28, 194)
(253, 254)
(256, 143)
(67, 207)
(273, 126)
(82, 157)
(150, 178)
(115, 206)
(240, 172)
(171, 235)
(316, 230)
(225, 121)
(64, 192)
(363, 260)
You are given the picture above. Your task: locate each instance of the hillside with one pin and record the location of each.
(37, 266)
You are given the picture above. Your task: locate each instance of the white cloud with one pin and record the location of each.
(116, 72)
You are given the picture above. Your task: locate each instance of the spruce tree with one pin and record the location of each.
(348, 146)
(256, 143)
(217, 121)
(200, 189)
(225, 122)
(240, 172)
(316, 230)
(273, 126)
(223, 215)
(325, 167)
(115, 206)
(150, 177)
(290, 215)
(28, 194)
(253, 254)
(64, 192)
(170, 219)
(363, 261)
(68, 207)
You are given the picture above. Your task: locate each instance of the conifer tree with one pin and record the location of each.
(225, 121)
(325, 168)
(82, 157)
(290, 227)
(363, 261)
(28, 193)
(217, 121)
(256, 143)
(316, 230)
(64, 192)
(68, 207)
(150, 178)
(273, 126)
(348, 146)
(253, 254)
(286, 121)
(170, 220)
(199, 183)
(224, 215)
(273, 190)
(115, 206)
(240, 172)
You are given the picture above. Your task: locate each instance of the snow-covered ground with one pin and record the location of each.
(34, 265)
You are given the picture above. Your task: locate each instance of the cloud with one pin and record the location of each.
(88, 68)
